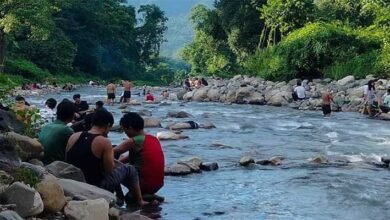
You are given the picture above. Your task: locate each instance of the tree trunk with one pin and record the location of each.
(2, 50)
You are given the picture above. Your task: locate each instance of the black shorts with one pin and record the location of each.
(326, 109)
(111, 96)
(127, 94)
(193, 124)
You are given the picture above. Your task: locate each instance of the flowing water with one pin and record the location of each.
(350, 187)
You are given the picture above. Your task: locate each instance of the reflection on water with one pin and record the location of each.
(350, 188)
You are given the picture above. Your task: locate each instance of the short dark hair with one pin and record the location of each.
(102, 118)
(299, 83)
(51, 103)
(76, 96)
(19, 98)
(65, 110)
(100, 104)
(112, 81)
(132, 120)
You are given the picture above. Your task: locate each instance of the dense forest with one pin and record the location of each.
(104, 39)
(284, 39)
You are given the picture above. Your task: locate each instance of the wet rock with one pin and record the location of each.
(276, 161)
(386, 160)
(152, 123)
(28, 201)
(209, 166)
(133, 216)
(52, 195)
(64, 170)
(8, 122)
(246, 160)
(10, 215)
(85, 191)
(36, 162)
(169, 135)
(145, 112)
(181, 94)
(179, 114)
(319, 159)
(87, 210)
(193, 163)
(200, 94)
(9, 158)
(177, 170)
(26, 147)
(188, 96)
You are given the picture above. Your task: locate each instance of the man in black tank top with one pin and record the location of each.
(92, 152)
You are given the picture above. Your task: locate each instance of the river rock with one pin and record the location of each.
(9, 215)
(188, 96)
(152, 123)
(64, 170)
(8, 122)
(246, 160)
(27, 147)
(209, 166)
(319, 159)
(38, 170)
(36, 162)
(193, 163)
(256, 98)
(170, 135)
(145, 112)
(243, 93)
(28, 201)
(85, 191)
(181, 94)
(200, 94)
(5, 178)
(9, 158)
(276, 161)
(179, 114)
(177, 170)
(346, 80)
(87, 210)
(52, 195)
(214, 94)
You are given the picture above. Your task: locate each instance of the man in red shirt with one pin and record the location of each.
(145, 153)
(149, 97)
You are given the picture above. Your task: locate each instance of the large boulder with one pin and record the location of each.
(28, 201)
(256, 98)
(9, 158)
(85, 191)
(87, 210)
(177, 170)
(181, 94)
(246, 160)
(27, 147)
(346, 80)
(243, 93)
(278, 100)
(214, 94)
(64, 170)
(152, 123)
(169, 135)
(200, 94)
(193, 163)
(52, 195)
(188, 96)
(8, 122)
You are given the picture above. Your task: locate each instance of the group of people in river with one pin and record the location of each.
(88, 148)
(196, 83)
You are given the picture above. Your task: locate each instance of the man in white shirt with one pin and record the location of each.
(299, 92)
(48, 114)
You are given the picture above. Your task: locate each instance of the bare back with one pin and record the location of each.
(127, 85)
(110, 88)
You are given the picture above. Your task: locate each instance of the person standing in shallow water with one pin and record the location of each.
(127, 90)
(92, 152)
(111, 89)
(327, 99)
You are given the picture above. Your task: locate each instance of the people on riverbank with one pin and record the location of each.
(187, 85)
(21, 107)
(327, 99)
(55, 135)
(68, 87)
(127, 90)
(299, 92)
(111, 89)
(92, 152)
(48, 114)
(145, 153)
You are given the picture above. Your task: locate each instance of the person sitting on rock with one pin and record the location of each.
(299, 92)
(55, 135)
(48, 114)
(385, 108)
(82, 107)
(149, 97)
(21, 108)
(145, 153)
(92, 152)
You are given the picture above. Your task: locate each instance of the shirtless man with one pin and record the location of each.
(127, 93)
(327, 98)
(111, 93)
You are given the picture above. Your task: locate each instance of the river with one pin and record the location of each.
(350, 187)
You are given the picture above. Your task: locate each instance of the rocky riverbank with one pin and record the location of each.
(348, 92)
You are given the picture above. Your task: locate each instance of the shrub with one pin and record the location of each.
(26, 69)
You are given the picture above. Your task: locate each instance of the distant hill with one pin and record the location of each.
(180, 31)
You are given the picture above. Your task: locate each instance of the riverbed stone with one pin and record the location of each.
(26, 147)
(246, 160)
(85, 191)
(177, 170)
(87, 210)
(200, 94)
(319, 159)
(152, 122)
(209, 166)
(346, 80)
(188, 96)
(8, 122)
(178, 114)
(64, 170)
(256, 98)
(52, 195)
(9, 158)
(170, 135)
(213, 94)
(5, 178)
(28, 201)
(10, 215)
